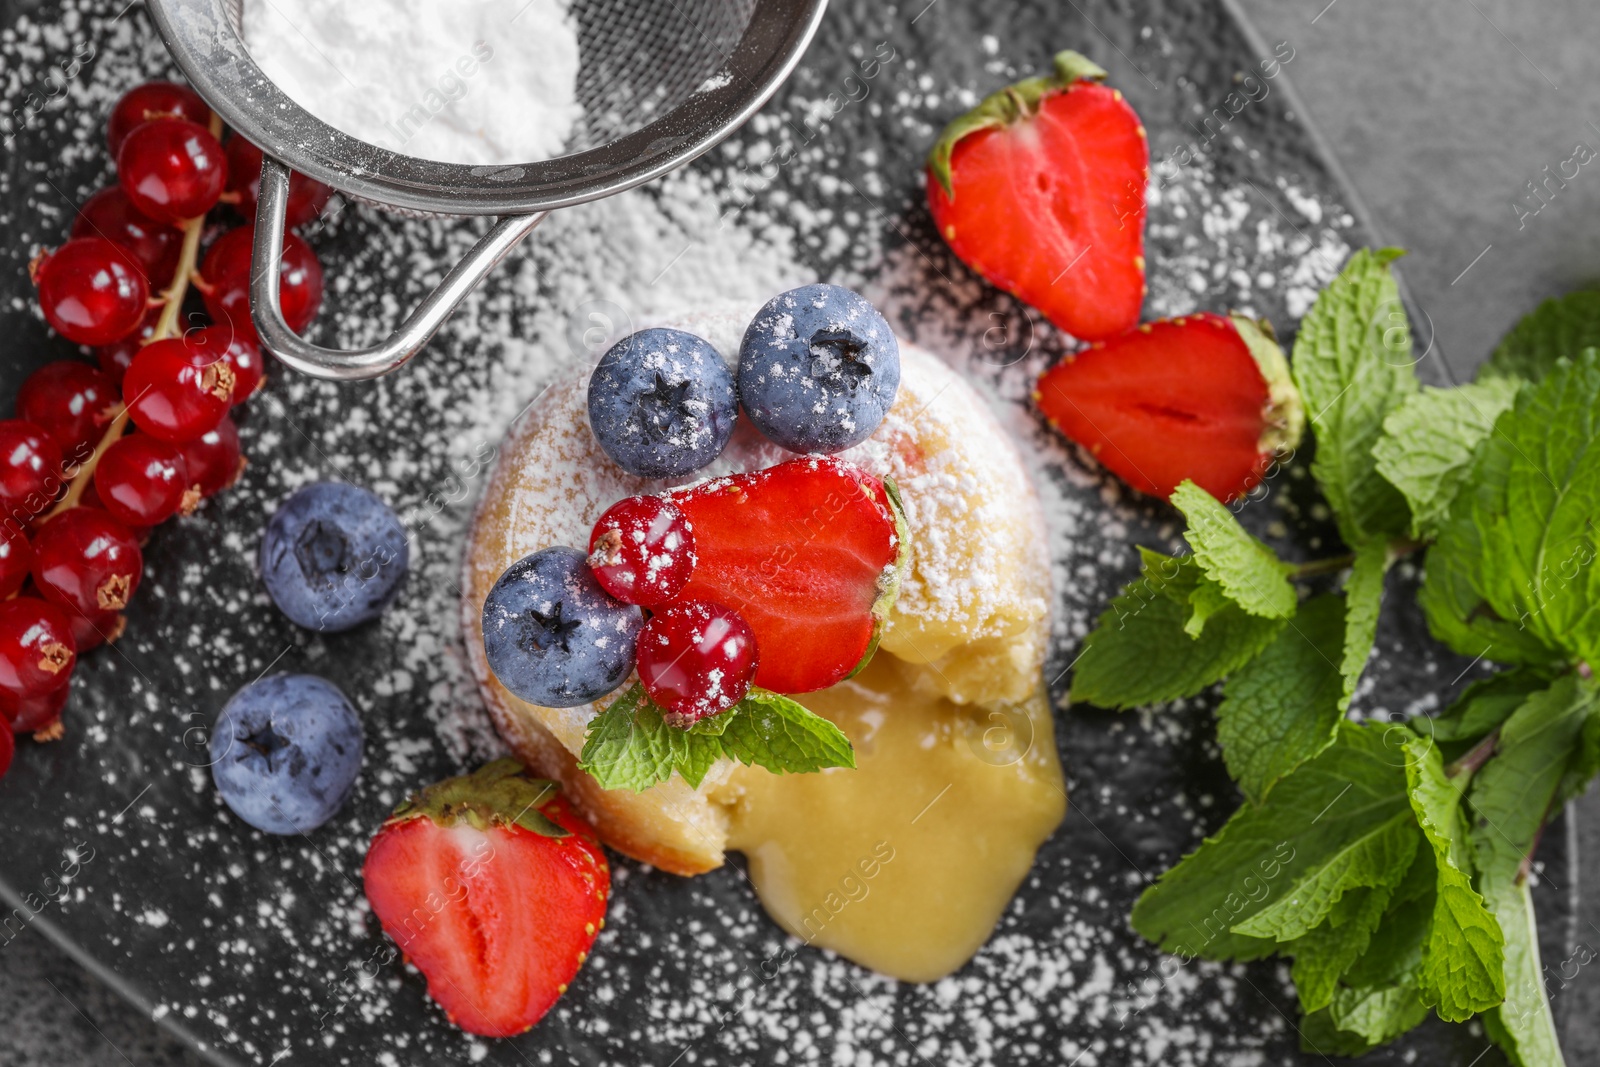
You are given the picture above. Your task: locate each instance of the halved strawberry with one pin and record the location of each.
(494, 889)
(1206, 397)
(809, 553)
(1041, 189)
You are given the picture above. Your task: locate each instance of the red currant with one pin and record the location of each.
(155, 246)
(87, 560)
(307, 196)
(172, 170)
(696, 658)
(151, 101)
(72, 401)
(90, 498)
(16, 559)
(214, 460)
(8, 744)
(30, 469)
(176, 390)
(225, 280)
(142, 481)
(27, 714)
(115, 358)
(36, 647)
(240, 351)
(642, 550)
(91, 291)
(100, 628)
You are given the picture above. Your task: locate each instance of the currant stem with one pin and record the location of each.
(80, 481)
(166, 327)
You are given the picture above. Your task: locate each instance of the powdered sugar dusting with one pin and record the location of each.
(266, 946)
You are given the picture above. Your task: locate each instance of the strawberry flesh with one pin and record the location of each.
(808, 553)
(497, 917)
(1046, 198)
(1185, 398)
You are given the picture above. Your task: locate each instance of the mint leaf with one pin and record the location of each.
(1560, 327)
(1428, 442)
(1511, 797)
(1464, 958)
(1282, 708)
(629, 746)
(1322, 956)
(1352, 363)
(773, 731)
(1247, 571)
(1483, 705)
(1363, 598)
(1522, 533)
(1206, 600)
(1140, 651)
(1395, 952)
(1376, 999)
(1456, 611)
(1377, 858)
(1340, 822)
(1522, 1026)
(1378, 1014)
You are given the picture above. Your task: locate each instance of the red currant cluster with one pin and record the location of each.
(695, 657)
(79, 492)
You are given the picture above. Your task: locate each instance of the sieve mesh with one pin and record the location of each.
(639, 59)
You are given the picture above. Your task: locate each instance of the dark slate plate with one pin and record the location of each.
(258, 950)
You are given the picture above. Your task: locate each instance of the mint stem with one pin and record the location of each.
(1324, 566)
(1476, 757)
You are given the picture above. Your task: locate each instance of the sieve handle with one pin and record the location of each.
(359, 364)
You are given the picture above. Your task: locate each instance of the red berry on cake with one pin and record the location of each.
(642, 550)
(1205, 397)
(1041, 189)
(696, 659)
(494, 889)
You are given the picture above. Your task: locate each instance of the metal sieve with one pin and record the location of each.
(660, 81)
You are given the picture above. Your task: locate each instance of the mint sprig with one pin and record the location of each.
(630, 746)
(1353, 365)
(1389, 861)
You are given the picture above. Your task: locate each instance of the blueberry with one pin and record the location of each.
(553, 636)
(818, 369)
(662, 404)
(333, 556)
(285, 753)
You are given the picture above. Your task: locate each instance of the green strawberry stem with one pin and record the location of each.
(1008, 106)
(499, 793)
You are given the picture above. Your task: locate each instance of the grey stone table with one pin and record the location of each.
(1450, 119)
